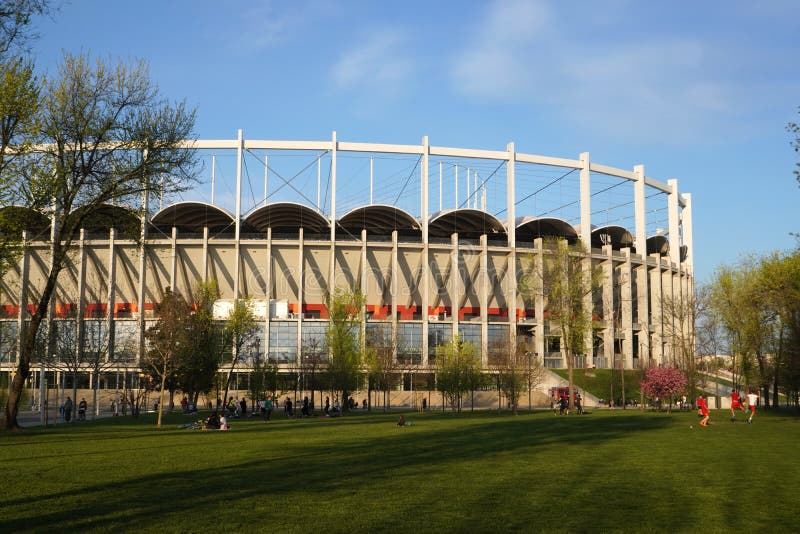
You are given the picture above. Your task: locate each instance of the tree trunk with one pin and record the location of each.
(161, 393)
(94, 395)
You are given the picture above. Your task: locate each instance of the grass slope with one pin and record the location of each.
(482, 472)
(598, 383)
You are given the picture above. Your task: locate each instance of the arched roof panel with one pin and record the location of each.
(287, 217)
(193, 217)
(379, 219)
(658, 244)
(616, 236)
(469, 223)
(14, 219)
(529, 228)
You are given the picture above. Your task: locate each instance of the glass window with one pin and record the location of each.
(8, 341)
(283, 341)
(438, 334)
(409, 342)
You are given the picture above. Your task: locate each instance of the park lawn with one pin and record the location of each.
(482, 472)
(598, 382)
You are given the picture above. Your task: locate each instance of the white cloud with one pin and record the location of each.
(668, 86)
(268, 23)
(379, 63)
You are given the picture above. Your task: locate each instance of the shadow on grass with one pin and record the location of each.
(325, 477)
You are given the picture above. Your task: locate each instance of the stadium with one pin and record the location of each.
(436, 238)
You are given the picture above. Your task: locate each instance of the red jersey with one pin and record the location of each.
(735, 397)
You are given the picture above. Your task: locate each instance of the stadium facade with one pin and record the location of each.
(427, 274)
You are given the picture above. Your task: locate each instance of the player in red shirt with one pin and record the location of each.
(703, 407)
(735, 403)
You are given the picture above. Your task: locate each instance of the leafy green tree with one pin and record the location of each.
(19, 105)
(456, 361)
(567, 280)
(780, 283)
(344, 343)
(517, 370)
(794, 129)
(104, 135)
(382, 367)
(196, 368)
(168, 340)
(239, 330)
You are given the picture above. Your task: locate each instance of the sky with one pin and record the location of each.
(697, 91)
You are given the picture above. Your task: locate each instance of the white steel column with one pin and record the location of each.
(585, 201)
(213, 170)
(300, 294)
(674, 223)
(362, 284)
(112, 284)
(483, 280)
(666, 317)
(173, 260)
(319, 184)
(639, 211)
(608, 306)
(79, 325)
(511, 227)
(371, 178)
(332, 264)
(455, 282)
(236, 261)
(24, 271)
(538, 302)
(266, 179)
(627, 309)
(655, 312)
(424, 211)
(441, 192)
(143, 268)
(686, 225)
(268, 292)
(205, 254)
(393, 293)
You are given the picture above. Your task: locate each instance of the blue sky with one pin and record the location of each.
(698, 91)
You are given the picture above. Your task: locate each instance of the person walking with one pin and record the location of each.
(703, 407)
(68, 409)
(82, 410)
(268, 407)
(752, 400)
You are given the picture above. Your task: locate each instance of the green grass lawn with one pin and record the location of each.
(598, 382)
(483, 472)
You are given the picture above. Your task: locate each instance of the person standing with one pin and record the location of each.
(703, 407)
(243, 406)
(327, 405)
(735, 403)
(184, 405)
(752, 400)
(82, 410)
(68, 409)
(268, 407)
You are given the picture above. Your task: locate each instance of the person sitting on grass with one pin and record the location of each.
(223, 423)
(212, 422)
(401, 421)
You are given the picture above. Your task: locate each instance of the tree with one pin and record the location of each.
(19, 104)
(196, 368)
(382, 367)
(567, 280)
(663, 383)
(780, 284)
(104, 135)
(344, 343)
(679, 315)
(794, 129)
(313, 356)
(168, 339)
(239, 330)
(517, 370)
(456, 361)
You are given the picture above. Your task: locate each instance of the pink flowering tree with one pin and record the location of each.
(663, 383)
